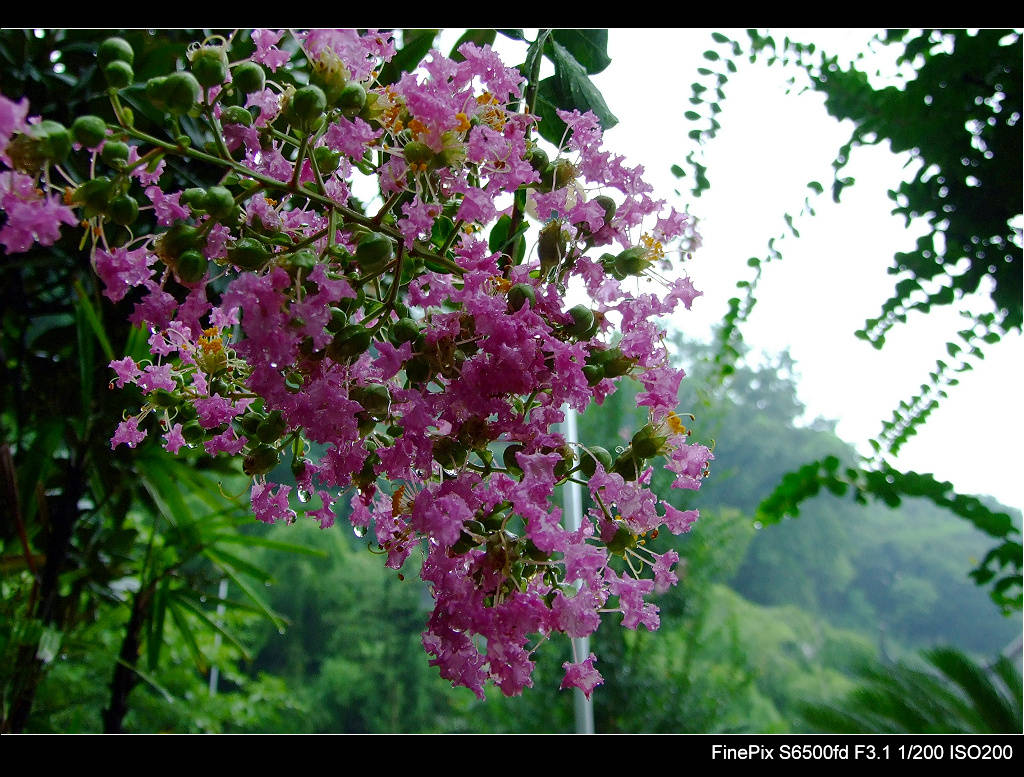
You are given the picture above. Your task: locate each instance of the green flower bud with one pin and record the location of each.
(352, 98)
(551, 244)
(404, 330)
(648, 443)
(622, 540)
(327, 160)
(350, 342)
(236, 114)
(155, 89)
(124, 210)
(584, 324)
(115, 153)
(95, 195)
(374, 251)
(219, 202)
(119, 74)
(627, 465)
(539, 160)
(248, 254)
(590, 457)
(89, 131)
(53, 141)
(181, 92)
(114, 50)
(260, 461)
(209, 65)
(375, 399)
(632, 261)
(520, 294)
(306, 105)
(562, 173)
(594, 373)
(508, 458)
(249, 77)
(179, 238)
(449, 453)
(608, 204)
(417, 153)
(271, 428)
(190, 267)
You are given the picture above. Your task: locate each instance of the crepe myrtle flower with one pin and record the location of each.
(411, 355)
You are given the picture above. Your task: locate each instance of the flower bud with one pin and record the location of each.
(418, 370)
(94, 194)
(89, 131)
(374, 251)
(124, 210)
(180, 92)
(209, 65)
(270, 429)
(508, 458)
(608, 204)
(648, 443)
(594, 373)
(248, 254)
(551, 244)
(248, 77)
(352, 99)
(306, 105)
(350, 342)
(114, 50)
(219, 202)
(119, 74)
(236, 114)
(520, 294)
(404, 330)
(417, 153)
(327, 159)
(632, 261)
(590, 457)
(115, 153)
(190, 267)
(449, 453)
(584, 323)
(260, 461)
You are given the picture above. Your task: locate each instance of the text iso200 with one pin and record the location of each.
(981, 752)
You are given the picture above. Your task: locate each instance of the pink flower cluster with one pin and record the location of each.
(429, 369)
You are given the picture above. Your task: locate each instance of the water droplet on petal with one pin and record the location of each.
(303, 495)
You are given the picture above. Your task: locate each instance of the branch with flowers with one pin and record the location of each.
(412, 354)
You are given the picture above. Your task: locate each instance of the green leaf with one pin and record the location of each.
(588, 47)
(512, 33)
(228, 635)
(574, 89)
(227, 561)
(155, 624)
(185, 629)
(83, 304)
(262, 542)
(251, 592)
(677, 171)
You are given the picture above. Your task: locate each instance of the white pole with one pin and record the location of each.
(573, 517)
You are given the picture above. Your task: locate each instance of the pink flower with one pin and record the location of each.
(582, 675)
(128, 432)
(174, 441)
(32, 217)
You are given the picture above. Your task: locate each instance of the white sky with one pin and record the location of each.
(830, 280)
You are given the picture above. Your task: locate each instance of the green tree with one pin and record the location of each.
(958, 115)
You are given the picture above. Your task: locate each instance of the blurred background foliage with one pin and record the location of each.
(138, 595)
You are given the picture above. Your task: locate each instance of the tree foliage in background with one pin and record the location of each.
(958, 115)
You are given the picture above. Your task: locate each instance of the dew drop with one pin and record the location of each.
(303, 495)
(360, 531)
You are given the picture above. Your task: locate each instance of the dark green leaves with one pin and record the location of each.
(570, 87)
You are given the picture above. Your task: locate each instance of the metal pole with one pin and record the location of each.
(573, 516)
